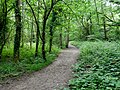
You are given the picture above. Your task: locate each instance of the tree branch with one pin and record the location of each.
(71, 10)
(34, 18)
(107, 17)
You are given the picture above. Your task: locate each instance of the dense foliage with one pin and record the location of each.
(98, 66)
(33, 30)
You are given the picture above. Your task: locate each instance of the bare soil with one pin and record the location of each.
(53, 77)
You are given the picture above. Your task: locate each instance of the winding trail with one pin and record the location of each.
(53, 77)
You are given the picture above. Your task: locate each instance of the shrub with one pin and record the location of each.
(98, 66)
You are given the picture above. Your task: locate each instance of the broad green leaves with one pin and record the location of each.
(98, 67)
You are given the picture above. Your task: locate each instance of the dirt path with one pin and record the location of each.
(53, 77)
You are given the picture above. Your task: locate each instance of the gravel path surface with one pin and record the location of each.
(53, 77)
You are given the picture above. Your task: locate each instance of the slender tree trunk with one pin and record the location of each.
(90, 24)
(22, 30)
(61, 38)
(37, 43)
(1, 49)
(18, 30)
(105, 31)
(104, 23)
(96, 12)
(38, 30)
(67, 34)
(67, 39)
(37, 33)
(87, 29)
(31, 34)
(51, 29)
(43, 37)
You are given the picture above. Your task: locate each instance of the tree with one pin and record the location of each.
(67, 33)
(52, 26)
(47, 11)
(43, 23)
(38, 29)
(104, 21)
(96, 11)
(18, 30)
(3, 23)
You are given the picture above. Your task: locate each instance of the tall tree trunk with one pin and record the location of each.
(45, 18)
(51, 29)
(22, 30)
(43, 37)
(96, 12)
(37, 33)
(3, 30)
(37, 42)
(104, 22)
(38, 30)
(31, 34)
(18, 30)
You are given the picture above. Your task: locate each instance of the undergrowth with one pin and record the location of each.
(98, 66)
(27, 64)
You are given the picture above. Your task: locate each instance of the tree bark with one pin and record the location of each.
(96, 11)
(91, 23)
(67, 39)
(38, 30)
(61, 38)
(3, 30)
(51, 29)
(43, 36)
(18, 30)
(67, 34)
(37, 33)
(22, 29)
(104, 23)
(45, 18)
(105, 31)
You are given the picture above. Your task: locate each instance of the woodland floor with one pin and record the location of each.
(53, 77)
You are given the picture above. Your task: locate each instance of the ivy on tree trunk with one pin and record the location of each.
(18, 30)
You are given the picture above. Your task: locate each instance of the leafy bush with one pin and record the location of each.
(98, 67)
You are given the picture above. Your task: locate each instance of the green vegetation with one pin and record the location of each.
(98, 66)
(32, 31)
(27, 64)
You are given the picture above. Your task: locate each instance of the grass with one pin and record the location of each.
(27, 64)
(98, 66)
